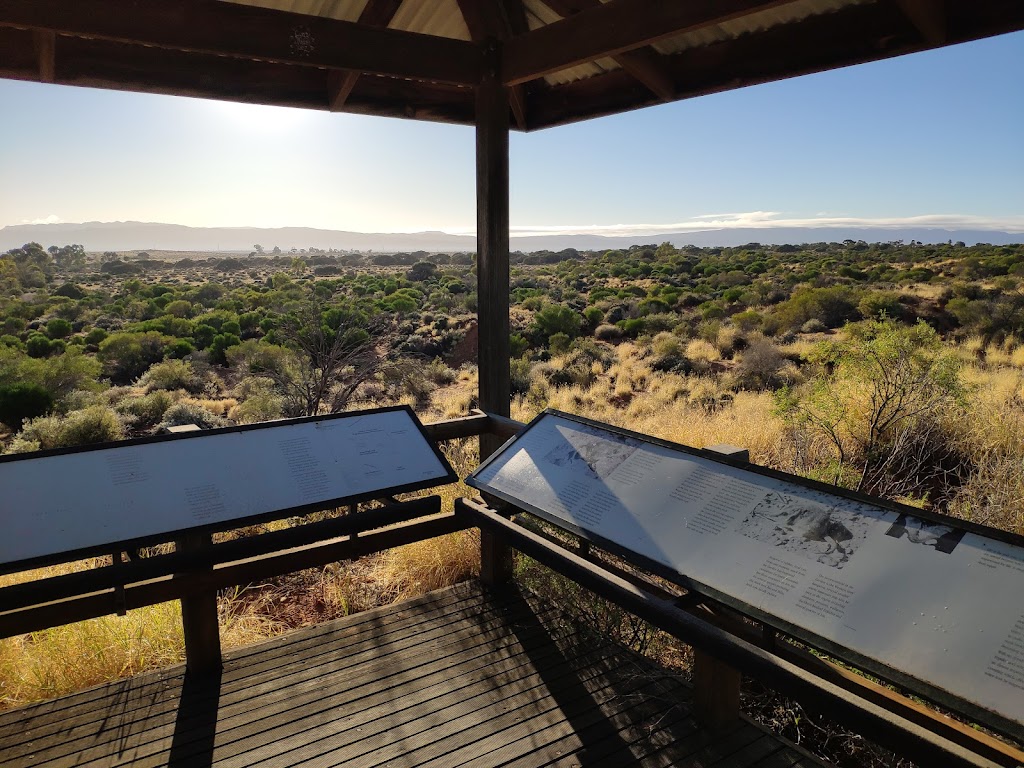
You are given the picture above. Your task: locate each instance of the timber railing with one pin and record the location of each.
(729, 642)
(166, 560)
(192, 563)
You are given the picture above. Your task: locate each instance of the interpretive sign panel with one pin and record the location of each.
(57, 503)
(919, 598)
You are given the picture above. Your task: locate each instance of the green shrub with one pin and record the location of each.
(608, 332)
(38, 345)
(183, 413)
(518, 345)
(171, 375)
(58, 328)
(520, 381)
(126, 356)
(96, 424)
(19, 402)
(95, 336)
(146, 411)
(558, 343)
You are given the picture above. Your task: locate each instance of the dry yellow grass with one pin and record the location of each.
(60, 660)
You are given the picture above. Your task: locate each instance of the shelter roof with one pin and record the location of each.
(562, 60)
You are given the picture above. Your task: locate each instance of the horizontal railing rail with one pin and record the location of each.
(918, 742)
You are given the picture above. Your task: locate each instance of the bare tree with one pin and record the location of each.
(335, 353)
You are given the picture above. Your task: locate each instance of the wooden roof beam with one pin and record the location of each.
(643, 63)
(499, 20)
(241, 31)
(928, 17)
(46, 52)
(852, 35)
(103, 64)
(612, 28)
(376, 13)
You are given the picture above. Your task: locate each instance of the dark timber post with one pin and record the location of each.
(716, 685)
(492, 228)
(199, 619)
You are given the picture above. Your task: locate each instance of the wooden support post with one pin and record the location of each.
(492, 234)
(199, 619)
(716, 685)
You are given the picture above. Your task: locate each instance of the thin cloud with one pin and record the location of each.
(51, 219)
(770, 219)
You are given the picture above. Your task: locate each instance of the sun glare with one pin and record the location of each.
(257, 118)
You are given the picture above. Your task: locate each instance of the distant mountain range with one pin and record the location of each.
(135, 236)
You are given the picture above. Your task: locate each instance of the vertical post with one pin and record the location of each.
(716, 686)
(492, 235)
(199, 619)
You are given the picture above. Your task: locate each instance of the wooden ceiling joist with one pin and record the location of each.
(46, 44)
(241, 31)
(376, 13)
(232, 51)
(643, 63)
(499, 20)
(104, 64)
(855, 34)
(928, 17)
(612, 28)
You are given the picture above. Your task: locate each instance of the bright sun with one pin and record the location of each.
(257, 118)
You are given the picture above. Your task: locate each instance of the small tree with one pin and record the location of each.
(879, 397)
(335, 350)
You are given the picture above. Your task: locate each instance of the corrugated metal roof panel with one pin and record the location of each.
(755, 22)
(441, 18)
(343, 10)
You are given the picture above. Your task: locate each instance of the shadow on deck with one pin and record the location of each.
(455, 678)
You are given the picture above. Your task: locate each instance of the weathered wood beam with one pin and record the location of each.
(517, 99)
(376, 13)
(241, 31)
(104, 64)
(928, 17)
(492, 226)
(614, 27)
(46, 47)
(492, 234)
(853, 35)
(643, 64)
(498, 20)
(864, 717)
(80, 608)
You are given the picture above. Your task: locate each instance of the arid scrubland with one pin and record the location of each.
(898, 370)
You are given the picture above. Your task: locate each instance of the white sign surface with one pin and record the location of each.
(55, 504)
(939, 603)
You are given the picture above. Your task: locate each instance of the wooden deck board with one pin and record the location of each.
(455, 678)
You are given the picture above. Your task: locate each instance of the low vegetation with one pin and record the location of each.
(896, 369)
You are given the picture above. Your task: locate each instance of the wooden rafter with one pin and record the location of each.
(856, 34)
(46, 53)
(376, 13)
(104, 64)
(928, 17)
(241, 31)
(614, 27)
(643, 63)
(233, 52)
(498, 20)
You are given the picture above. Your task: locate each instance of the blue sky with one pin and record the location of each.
(937, 138)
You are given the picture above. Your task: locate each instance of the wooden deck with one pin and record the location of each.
(455, 678)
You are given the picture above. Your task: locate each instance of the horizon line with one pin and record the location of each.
(694, 225)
